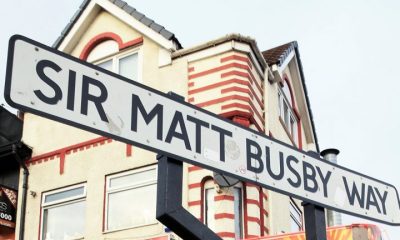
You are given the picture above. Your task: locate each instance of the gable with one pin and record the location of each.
(285, 62)
(90, 9)
(100, 27)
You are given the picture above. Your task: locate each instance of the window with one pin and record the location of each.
(209, 204)
(124, 64)
(296, 217)
(131, 199)
(286, 112)
(238, 211)
(210, 207)
(107, 56)
(63, 213)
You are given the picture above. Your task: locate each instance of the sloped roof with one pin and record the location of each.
(128, 9)
(277, 55)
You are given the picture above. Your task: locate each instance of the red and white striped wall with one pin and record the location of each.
(229, 85)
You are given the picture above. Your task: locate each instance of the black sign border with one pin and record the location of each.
(7, 92)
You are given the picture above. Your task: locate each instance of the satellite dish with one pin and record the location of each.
(224, 181)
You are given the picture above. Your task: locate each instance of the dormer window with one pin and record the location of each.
(109, 55)
(287, 113)
(125, 64)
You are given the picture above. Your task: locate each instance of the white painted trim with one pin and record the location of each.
(209, 52)
(303, 94)
(90, 9)
(67, 199)
(94, 7)
(286, 62)
(135, 24)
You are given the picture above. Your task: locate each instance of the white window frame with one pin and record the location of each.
(124, 188)
(284, 102)
(293, 205)
(61, 202)
(208, 186)
(115, 60)
(240, 187)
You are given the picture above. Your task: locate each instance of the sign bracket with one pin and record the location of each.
(169, 203)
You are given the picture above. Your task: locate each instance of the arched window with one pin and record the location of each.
(107, 51)
(287, 113)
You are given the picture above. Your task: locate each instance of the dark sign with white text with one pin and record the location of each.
(8, 207)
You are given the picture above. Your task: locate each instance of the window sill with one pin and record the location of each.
(287, 131)
(128, 228)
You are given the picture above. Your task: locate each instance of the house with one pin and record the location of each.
(85, 186)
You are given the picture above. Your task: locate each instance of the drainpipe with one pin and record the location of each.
(334, 218)
(24, 191)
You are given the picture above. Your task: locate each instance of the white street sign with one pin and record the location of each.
(52, 84)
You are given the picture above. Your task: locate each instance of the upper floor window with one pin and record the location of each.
(286, 111)
(63, 213)
(296, 217)
(125, 63)
(124, 189)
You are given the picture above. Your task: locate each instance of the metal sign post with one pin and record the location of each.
(169, 200)
(169, 203)
(314, 217)
(55, 85)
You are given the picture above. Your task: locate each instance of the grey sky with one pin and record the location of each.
(349, 51)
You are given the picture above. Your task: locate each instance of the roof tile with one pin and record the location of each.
(278, 54)
(146, 21)
(128, 9)
(167, 34)
(156, 27)
(120, 3)
(137, 15)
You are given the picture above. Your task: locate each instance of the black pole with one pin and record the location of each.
(314, 217)
(169, 203)
(24, 189)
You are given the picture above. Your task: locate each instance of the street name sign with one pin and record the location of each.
(55, 85)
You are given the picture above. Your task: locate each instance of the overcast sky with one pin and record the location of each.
(349, 50)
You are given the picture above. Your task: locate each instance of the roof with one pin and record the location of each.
(128, 9)
(278, 55)
(229, 37)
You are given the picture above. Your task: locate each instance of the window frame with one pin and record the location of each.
(240, 187)
(286, 120)
(293, 204)
(115, 57)
(58, 203)
(107, 192)
(206, 203)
